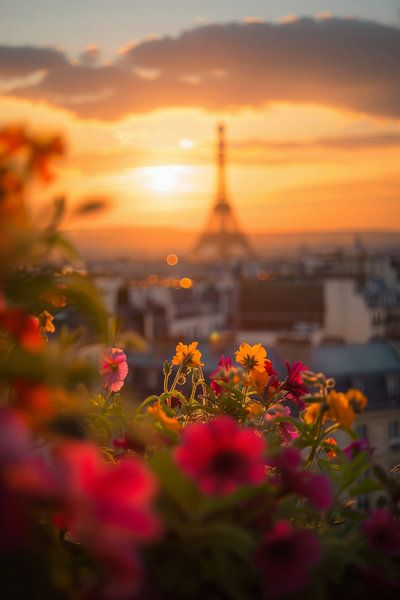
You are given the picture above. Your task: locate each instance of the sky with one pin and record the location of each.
(309, 92)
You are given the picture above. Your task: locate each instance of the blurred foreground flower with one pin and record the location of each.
(221, 456)
(286, 559)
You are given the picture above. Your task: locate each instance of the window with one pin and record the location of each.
(393, 386)
(394, 435)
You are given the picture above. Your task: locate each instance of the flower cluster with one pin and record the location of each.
(229, 484)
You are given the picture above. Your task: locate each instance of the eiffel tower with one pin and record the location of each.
(222, 239)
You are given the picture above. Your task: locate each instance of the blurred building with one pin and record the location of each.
(374, 368)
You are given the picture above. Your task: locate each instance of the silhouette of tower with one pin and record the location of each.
(222, 239)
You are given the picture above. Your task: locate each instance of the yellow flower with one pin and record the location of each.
(312, 412)
(169, 423)
(46, 322)
(187, 354)
(255, 409)
(340, 409)
(252, 357)
(358, 401)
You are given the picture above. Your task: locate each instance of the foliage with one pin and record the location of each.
(231, 486)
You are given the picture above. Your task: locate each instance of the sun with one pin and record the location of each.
(163, 179)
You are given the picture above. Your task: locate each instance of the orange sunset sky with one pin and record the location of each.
(311, 105)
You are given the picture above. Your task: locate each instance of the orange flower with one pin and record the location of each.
(46, 322)
(252, 357)
(328, 447)
(357, 400)
(258, 380)
(158, 413)
(340, 409)
(255, 409)
(188, 355)
(312, 412)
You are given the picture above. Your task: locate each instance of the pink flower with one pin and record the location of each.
(113, 368)
(287, 431)
(221, 373)
(383, 531)
(316, 488)
(357, 446)
(220, 456)
(107, 507)
(286, 559)
(293, 383)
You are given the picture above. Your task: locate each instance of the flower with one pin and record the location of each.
(330, 445)
(23, 327)
(357, 446)
(357, 400)
(252, 357)
(287, 431)
(316, 488)
(383, 531)
(220, 456)
(221, 373)
(169, 423)
(46, 322)
(340, 409)
(255, 409)
(293, 383)
(113, 368)
(187, 355)
(34, 398)
(107, 507)
(25, 480)
(286, 558)
(311, 413)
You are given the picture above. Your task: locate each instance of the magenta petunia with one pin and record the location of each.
(107, 507)
(293, 383)
(292, 479)
(220, 455)
(286, 558)
(113, 368)
(286, 430)
(221, 373)
(383, 531)
(357, 446)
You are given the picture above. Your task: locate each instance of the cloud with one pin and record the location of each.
(344, 63)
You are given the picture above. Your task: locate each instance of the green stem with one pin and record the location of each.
(176, 379)
(145, 403)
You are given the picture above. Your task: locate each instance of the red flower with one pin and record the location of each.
(316, 488)
(221, 373)
(286, 558)
(293, 383)
(357, 446)
(383, 531)
(107, 507)
(22, 327)
(113, 368)
(220, 456)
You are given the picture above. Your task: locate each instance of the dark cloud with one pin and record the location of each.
(21, 61)
(345, 63)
